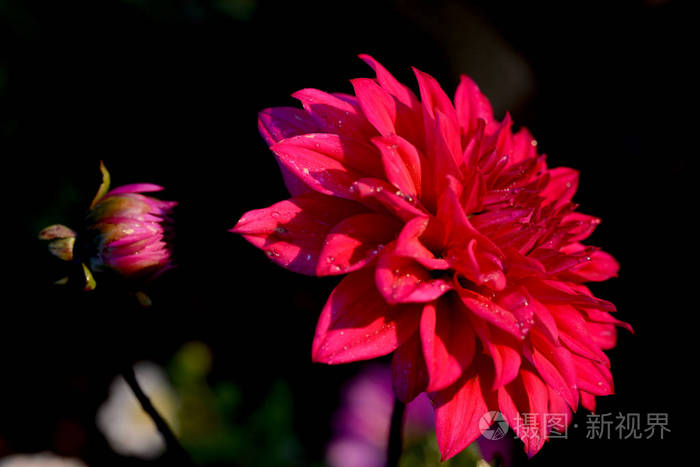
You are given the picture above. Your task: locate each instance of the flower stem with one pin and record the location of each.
(172, 444)
(395, 446)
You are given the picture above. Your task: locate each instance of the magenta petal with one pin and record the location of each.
(448, 341)
(381, 196)
(318, 171)
(335, 115)
(396, 169)
(386, 80)
(458, 410)
(492, 313)
(377, 105)
(354, 242)
(354, 154)
(408, 244)
(563, 184)
(278, 123)
(409, 375)
(593, 377)
(402, 280)
(471, 105)
(357, 324)
(292, 232)
(133, 188)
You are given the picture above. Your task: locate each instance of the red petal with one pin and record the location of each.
(458, 410)
(409, 245)
(395, 161)
(600, 267)
(319, 172)
(471, 105)
(383, 197)
(292, 232)
(378, 105)
(335, 115)
(449, 343)
(562, 186)
(354, 154)
(492, 313)
(592, 377)
(357, 324)
(388, 82)
(354, 242)
(408, 371)
(402, 280)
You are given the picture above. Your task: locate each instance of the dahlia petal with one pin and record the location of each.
(537, 395)
(378, 105)
(383, 197)
(563, 183)
(574, 333)
(402, 280)
(395, 147)
(134, 188)
(292, 232)
(492, 313)
(604, 335)
(408, 244)
(555, 292)
(386, 80)
(555, 366)
(592, 377)
(435, 100)
(357, 324)
(395, 168)
(600, 266)
(408, 370)
(352, 153)
(598, 316)
(319, 172)
(506, 359)
(458, 410)
(278, 123)
(333, 114)
(354, 242)
(471, 106)
(524, 146)
(449, 344)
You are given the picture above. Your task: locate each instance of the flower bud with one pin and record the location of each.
(125, 232)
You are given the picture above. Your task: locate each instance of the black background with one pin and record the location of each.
(168, 92)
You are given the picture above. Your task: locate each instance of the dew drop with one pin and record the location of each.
(306, 171)
(281, 230)
(275, 214)
(308, 257)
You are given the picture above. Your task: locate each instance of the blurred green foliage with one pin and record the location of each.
(212, 420)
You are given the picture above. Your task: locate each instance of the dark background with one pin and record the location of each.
(168, 92)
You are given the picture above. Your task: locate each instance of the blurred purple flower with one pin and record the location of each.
(361, 424)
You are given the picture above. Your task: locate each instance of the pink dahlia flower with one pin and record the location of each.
(125, 232)
(462, 251)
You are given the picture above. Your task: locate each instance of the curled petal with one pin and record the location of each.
(402, 280)
(354, 242)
